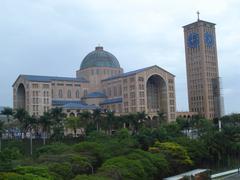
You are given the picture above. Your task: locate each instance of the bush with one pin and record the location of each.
(39, 171)
(57, 148)
(123, 168)
(155, 165)
(15, 176)
(92, 177)
(176, 155)
(92, 150)
(62, 169)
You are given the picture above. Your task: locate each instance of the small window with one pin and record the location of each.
(69, 95)
(77, 94)
(60, 94)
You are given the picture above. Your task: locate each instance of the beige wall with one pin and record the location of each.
(95, 74)
(202, 68)
(134, 92)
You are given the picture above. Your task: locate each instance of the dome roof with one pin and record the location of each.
(99, 58)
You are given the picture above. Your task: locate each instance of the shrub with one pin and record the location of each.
(123, 168)
(56, 148)
(62, 169)
(39, 171)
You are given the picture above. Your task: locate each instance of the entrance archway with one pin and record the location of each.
(21, 96)
(156, 94)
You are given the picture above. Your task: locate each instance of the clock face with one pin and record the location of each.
(208, 39)
(193, 40)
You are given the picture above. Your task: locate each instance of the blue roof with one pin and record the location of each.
(63, 102)
(95, 95)
(79, 106)
(111, 101)
(132, 73)
(52, 78)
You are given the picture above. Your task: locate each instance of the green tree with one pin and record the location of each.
(2, 130)
(21, 115)
(8, 112)
(176, 154)
(45, 123)
(57, 118)
(110, 117)
(72, 123)
(123, 168)
(97, 118)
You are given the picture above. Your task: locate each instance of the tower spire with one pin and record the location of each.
(198, 13)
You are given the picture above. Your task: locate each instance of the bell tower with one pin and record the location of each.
(204, 92)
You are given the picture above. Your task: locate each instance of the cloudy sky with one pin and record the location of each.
(51, 37)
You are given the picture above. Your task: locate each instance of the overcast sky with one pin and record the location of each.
(51, 37)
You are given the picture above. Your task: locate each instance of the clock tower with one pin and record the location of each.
(203, 80)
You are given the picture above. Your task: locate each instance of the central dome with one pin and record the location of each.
(99, 58)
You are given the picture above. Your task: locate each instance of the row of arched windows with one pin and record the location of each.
(69, 94)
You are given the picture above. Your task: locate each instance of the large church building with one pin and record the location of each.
(99, 83)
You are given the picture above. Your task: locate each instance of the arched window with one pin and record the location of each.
(77, 94)
(69, 95)
(60, 94)
(85, 92)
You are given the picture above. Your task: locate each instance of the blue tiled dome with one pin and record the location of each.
(100, 58)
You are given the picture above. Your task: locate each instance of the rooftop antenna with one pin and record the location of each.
(198, 13)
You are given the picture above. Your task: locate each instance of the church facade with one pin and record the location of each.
(99, 83)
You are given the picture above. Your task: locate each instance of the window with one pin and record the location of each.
(140, 79)
(141, 94)
(34, 86)
(114, 91)
(60, 93)
(132, 95)
(120, 90)
(132, 79)
(69, 95)
(77, 94)
(85, 92)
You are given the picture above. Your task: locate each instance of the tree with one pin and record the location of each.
(110, 120)
(72, 123)
(123, 168)
(45, 122)
(176, 154)
(57, 118)
(21, 115)
(8, 112)
(2, 129)
(97, 118)
(161, 117)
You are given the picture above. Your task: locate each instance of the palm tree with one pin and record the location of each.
(2, 129)
(21, 115)
(57, 118)
(141, 116)
(86, 116)
(97, 118)
(73, 124)
(45, 123)
(8, 112)
(30, 124)
(161, 117)
(110, 120)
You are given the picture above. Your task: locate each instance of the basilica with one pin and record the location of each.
(100, 83)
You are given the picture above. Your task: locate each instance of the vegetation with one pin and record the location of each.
(104, 146)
